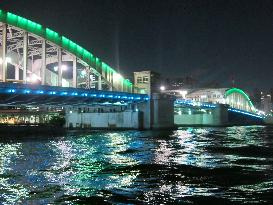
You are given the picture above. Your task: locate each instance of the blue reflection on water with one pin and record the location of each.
(189, 165)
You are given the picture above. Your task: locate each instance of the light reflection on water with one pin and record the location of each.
(189, 165)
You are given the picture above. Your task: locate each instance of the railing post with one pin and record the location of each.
(74, 72)
(43, 69)
(25, 56)
(60, 67)
(4, 52)
(99, 82)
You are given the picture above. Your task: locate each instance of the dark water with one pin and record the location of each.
(188, 166)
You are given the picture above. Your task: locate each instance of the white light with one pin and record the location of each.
(117, 76)
(8, 59)
(64, 67)
(92, 77)
(183, 93)
(162, 88)
(83, 72)
(34, 78)
(55, 68)
(65, 83)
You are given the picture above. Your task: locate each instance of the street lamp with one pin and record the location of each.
(117, 76)
(64, 67)
(162, 88)
(183, 93)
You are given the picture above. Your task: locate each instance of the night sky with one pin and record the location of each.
(213, 41)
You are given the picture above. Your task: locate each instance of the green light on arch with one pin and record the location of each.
(59, 40)
(237, 90)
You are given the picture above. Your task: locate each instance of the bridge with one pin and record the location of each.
(33, 54)
(39, 67)
(231, 105)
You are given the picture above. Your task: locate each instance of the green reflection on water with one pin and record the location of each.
(84, 165)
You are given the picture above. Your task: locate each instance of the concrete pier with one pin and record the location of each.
(157, 113)
(162, 111)
(216, 117)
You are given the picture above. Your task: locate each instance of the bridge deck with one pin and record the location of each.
(207, 105)
(27, 94)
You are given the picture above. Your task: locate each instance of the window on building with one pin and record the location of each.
(145, 79)
(139, 79)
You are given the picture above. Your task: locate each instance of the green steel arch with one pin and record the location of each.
(240, 92)
(63, 42)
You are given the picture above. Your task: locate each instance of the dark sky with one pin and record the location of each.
(213, 41)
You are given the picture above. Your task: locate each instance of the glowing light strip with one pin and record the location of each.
(237, 90)
(7, 88)
(245, 113)
(54, 37)
(192, 103)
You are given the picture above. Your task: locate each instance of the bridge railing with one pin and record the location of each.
(186, 102)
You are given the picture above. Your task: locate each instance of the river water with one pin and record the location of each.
(232, 165)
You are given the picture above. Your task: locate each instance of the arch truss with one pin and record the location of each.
(33, 54)
(238, 99)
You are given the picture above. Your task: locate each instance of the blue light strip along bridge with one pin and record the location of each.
(193, 103)
(245, 113)
(205, 105)
(27, 94)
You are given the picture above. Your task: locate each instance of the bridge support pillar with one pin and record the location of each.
(4, 52)
(43, 69)
(25, 56)
(162, 111)
(220, 115)
(158, 112)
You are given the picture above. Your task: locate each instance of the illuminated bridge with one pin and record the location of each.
(202, 104)
(38, 65)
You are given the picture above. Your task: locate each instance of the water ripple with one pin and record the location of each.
(190, 165)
